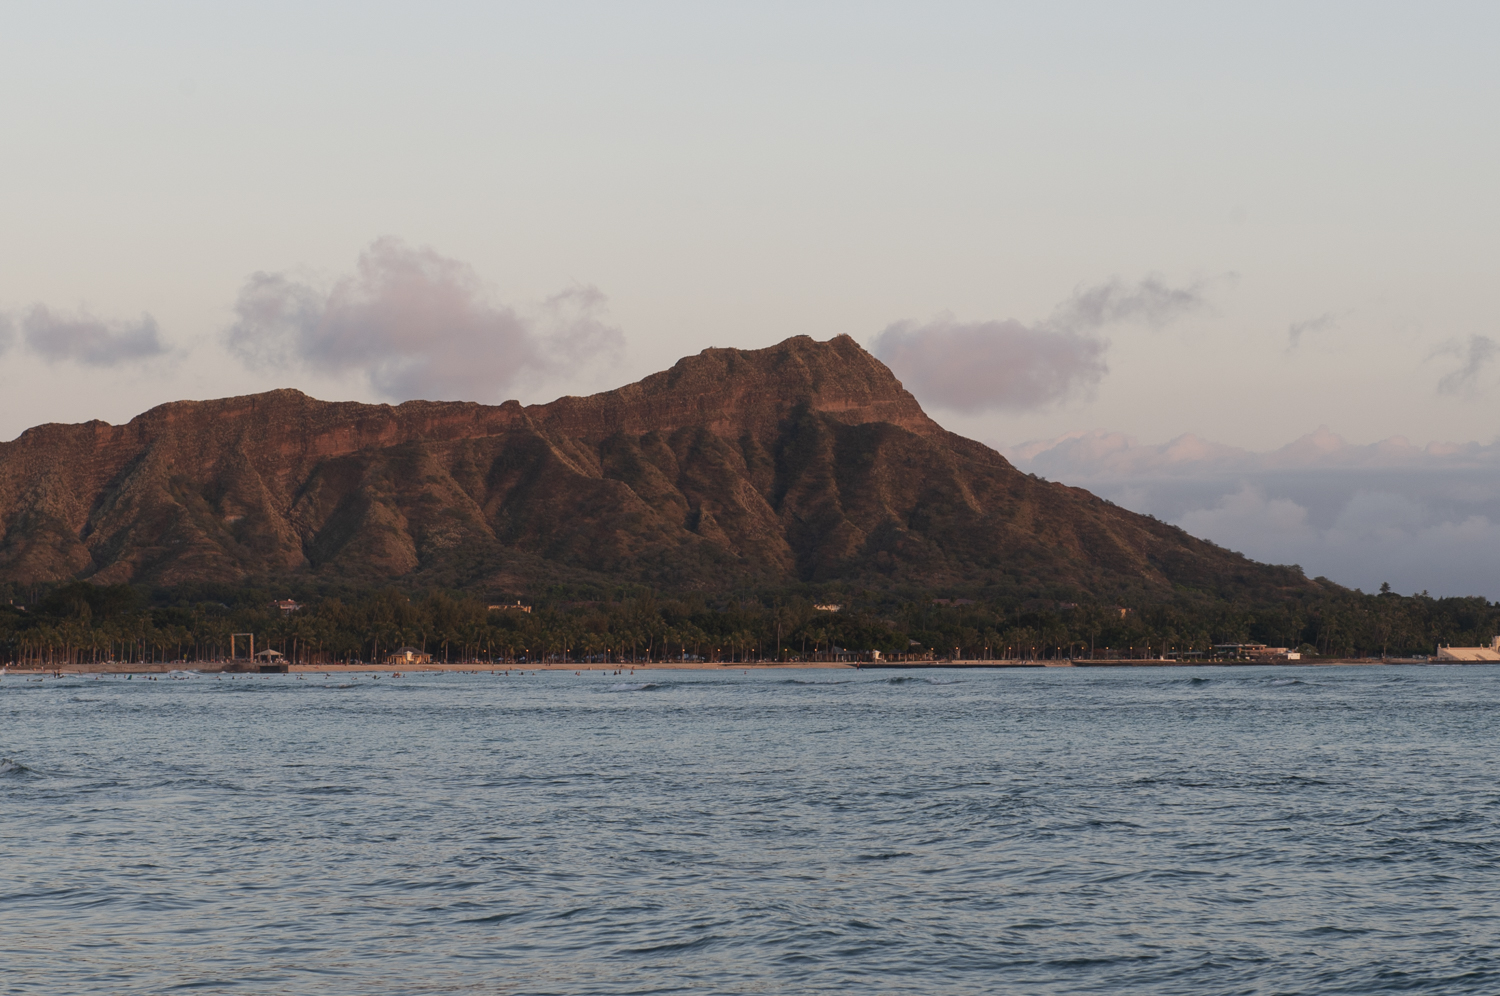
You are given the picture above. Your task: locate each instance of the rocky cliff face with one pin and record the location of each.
(804, 461)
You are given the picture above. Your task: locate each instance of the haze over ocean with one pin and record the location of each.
(1253, 830)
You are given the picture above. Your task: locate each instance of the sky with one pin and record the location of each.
(1079, 232)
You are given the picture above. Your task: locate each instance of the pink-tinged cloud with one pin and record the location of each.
(981, 366)
(1008, 366)
(416, 324)
(89, 341)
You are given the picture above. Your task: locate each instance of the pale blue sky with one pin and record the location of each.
(735, 174)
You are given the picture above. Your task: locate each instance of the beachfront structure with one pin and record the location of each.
(270, 661)
(1471, 655)
(407, 656)
(1254, 652)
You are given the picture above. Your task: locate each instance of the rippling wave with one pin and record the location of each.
(9, 768)
(1139, 831)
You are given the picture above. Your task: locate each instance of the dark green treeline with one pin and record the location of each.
(80, 622)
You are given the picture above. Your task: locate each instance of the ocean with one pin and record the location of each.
(1255, 830)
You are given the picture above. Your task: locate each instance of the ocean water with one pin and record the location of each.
(1216, 830)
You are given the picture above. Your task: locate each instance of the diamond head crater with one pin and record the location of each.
(778, 505)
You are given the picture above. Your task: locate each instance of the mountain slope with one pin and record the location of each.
(805, 461)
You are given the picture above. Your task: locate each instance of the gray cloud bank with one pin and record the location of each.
(1421, 517)
(416, 324)
(1005, 365)
(59, 337)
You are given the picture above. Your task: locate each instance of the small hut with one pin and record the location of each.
(271, 661)
(407, 656)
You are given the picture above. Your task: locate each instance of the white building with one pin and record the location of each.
(1471, 655)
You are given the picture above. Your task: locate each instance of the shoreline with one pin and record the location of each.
(218, 667)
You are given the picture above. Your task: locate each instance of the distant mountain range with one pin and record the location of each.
(803, 462)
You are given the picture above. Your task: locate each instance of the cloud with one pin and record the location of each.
(83, 339)
(1297, 330)
(971, 367)
(1149, 302)
(1375, 536)
(1420, 517)
(1277, 528)
(1475, 357)
(416, 324)
(1100, 454)
(1008, 366)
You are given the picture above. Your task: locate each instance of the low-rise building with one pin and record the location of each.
(1471, 655)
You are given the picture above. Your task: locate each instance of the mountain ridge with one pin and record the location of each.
(802, 462)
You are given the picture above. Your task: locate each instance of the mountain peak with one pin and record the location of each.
(727, 389)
